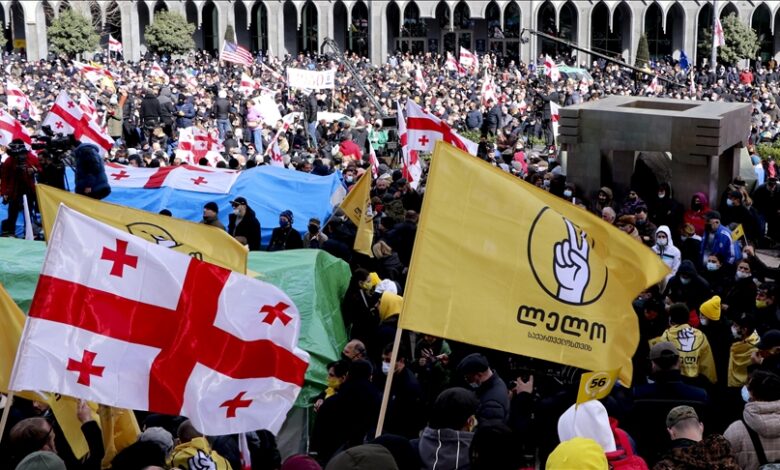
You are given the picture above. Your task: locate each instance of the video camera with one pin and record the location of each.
(56, 144)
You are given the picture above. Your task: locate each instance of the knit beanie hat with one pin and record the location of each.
(589, 419)
(579, 453)
(41, 460)
(711, 308)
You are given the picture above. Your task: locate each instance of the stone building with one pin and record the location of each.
(376, 28)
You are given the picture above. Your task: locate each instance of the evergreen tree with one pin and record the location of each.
(741, 41)
(642, 53)
(71, 33)
(170, 33)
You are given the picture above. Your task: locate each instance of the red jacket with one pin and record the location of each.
(351, 149)
(14, 183)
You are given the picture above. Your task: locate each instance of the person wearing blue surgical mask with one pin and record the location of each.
(718, 274)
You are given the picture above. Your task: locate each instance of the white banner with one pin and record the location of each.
(300, 78)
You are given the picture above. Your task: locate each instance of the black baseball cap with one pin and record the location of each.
(240, 200)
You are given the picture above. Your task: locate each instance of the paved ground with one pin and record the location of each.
(770, 257)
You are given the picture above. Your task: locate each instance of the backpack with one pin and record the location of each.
(763, 462)
(624, 457)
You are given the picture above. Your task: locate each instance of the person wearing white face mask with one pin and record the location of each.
(491, 390)
(405, 416)
(664, 247)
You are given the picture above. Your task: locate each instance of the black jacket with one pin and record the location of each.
(248, 227)
(310, 109)
(493, 401)
(221, 109)
(285, 239)
(150, 110)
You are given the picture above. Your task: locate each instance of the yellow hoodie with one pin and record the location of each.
(739, 360)
(199, 451)
(695, 353)
(390, 305)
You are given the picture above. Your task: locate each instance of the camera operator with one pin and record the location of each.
(52, 170)
(91, 179)
(17, 178)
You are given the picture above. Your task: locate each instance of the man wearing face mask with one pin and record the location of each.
(405, 416)
(243, 224)
(745, 340)
(644, 226)
(688, 286)
(314, 237)
(716, 240)
(664, 247)
(490, 389)
(285, 237)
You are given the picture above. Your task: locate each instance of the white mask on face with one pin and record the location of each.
(385, 368)
(237, 211)
(662, 241)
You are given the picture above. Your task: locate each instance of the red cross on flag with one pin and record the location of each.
(420, 81)
(410, 161)
(551, 69)
(248, 84)
(488, 90)
(113, 44)
(67, 117)
(186, 177)
(452, 64)
(127, 323)
(18, 100)
(157, 71)
(11, 129)
(719, 37)
(469, 60)
(555, 116)
(93, 73)
(196, 143)
(423, 130)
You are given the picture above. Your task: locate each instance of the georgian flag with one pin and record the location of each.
(373, 160)
(187, 177)
(468, 60)
(452, 64)
(113, 44)
(488, 90)
(196, 143)
(127, 323)
(423, 130)
(551, 69)
(11, 128)
(18, 100)
(66, 117)
(410, 160)
(419, 80)
(93, 73)
(248, 85)
(276, 154)
(157, 71)
(719, 37)
(555, 116)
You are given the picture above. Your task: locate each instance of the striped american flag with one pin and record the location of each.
(232, 52)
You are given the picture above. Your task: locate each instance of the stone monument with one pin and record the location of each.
(603, 139)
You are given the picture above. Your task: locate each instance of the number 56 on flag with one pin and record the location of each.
(596, 385)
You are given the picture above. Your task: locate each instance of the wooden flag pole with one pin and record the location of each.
(389, 382)
(6, 412)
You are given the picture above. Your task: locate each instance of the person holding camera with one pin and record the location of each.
(17, 179)
(91, 179)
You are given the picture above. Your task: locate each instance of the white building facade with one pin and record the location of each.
(376, 28)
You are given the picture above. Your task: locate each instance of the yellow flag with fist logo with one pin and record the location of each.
(502, 264)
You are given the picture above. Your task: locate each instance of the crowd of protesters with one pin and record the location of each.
(706, 385)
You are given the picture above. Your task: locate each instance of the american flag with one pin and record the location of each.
(232, 52)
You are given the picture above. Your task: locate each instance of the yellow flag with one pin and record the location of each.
(10, 333)
(596, 385)
(500, 263)
(357, 206)
(201, 241)
(120, 430)
(738, 233)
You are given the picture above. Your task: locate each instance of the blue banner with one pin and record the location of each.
(268, 190)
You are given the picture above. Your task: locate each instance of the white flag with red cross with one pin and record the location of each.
(66, 117)
(555, 116)
(114, 45)
(424, 129)
(488, 90)
(452, 64)
(157, 71)
(720, 37)
(93, 73)
(11, 128)
(419, 80)
(18, 100)
(469, 60)
(410, 159)
(185, 177)
(124, 322)
(551, 69)
(196, 143)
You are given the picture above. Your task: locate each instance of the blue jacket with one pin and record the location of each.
(720, 244)
(188, 114)
(90, 172)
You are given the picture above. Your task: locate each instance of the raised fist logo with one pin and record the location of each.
(201, 461)
(686, 338)
(570, 262)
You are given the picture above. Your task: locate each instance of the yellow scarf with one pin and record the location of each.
(739, 360)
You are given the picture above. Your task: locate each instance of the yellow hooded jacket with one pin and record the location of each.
(390, 305)
(199, 451)
(695, 352)
(739, 360)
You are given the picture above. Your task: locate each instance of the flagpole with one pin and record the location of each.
(6, 412)
(714, 56)
(389, 382)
